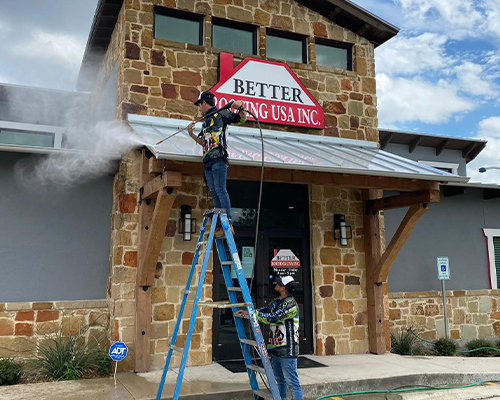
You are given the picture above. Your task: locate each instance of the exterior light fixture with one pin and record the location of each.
(484, 169)
(341, 231)
(186, 223)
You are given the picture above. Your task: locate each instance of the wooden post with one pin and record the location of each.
(143, 297)
(154, 213)
(374, 290)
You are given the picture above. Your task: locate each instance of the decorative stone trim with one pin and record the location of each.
(472, 314)
(23, 325)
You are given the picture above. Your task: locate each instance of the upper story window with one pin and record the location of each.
(333, 54)
(20, 134)
(178, 26)
(286, 46)
(234, 37)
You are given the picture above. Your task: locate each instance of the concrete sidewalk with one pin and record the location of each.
(344, 373)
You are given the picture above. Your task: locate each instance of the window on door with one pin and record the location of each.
(493, 249)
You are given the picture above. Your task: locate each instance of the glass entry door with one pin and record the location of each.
(283, 247)
(272, 243)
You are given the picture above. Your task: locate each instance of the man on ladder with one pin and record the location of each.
(214, 142)
(282, 314)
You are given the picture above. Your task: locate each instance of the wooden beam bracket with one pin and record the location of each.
(402, 200)
(381, 270)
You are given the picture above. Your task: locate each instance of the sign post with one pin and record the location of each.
(117, 352)
(443, 266)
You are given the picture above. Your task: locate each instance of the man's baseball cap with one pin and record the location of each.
(287, 281)
(204, 96)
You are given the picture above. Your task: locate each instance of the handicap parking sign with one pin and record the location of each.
(443, 265)
(118, 351)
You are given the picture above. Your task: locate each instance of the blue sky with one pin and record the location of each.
(440, 74)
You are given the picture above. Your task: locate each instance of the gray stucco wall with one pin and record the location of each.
(54, 241)
(450, 228)
(429, 154)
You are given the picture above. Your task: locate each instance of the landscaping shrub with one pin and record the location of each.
(10, 372)
(403, 342)
(478, 343)
(68, 357)
(103, 362)
(445, 347)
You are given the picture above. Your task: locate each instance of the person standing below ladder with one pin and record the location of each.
(282, 314)
(214, 142)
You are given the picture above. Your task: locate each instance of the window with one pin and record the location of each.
(493, 248)
(334, 54)
(19, 134)
(286, 46)
(237, 38)
(451, 168)
(178, 26)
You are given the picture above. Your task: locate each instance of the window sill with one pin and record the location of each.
(338, 71)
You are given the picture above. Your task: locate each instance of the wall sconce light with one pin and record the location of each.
(341, 231)
(186, 223)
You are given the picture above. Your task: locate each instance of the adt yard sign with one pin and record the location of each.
(118, 351)
(443, 265)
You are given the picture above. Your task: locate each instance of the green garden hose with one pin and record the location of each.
(402, 390)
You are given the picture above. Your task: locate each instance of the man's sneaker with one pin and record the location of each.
(219, 232)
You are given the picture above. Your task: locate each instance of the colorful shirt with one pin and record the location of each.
(213, 133)
(283, 318)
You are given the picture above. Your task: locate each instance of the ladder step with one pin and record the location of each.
(226, 263)
(264, 394)
(177, 349)
(249, 342)
(188, 291)
(256, 368)
(219, 304)
(234, 289)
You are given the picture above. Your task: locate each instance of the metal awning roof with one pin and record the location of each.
(286, 151)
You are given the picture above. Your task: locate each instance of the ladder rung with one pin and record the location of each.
(220, 304)
(188, 291)
(226, 263)
(202, 243)
(234, 289)
(264, 394)
(249, 342)
(241, 316)
(256, 368)
(175, 348)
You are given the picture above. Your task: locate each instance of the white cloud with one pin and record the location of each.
(472, 80)
(411, 55)
(488, 129)
(492, 13)
(58, 47)
(404, 100)
(456, 18)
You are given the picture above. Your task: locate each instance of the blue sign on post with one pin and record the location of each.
(118, 351)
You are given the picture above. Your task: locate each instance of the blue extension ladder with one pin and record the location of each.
(215, 215)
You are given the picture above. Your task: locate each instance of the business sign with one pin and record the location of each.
(285, 263)
(118, 351)
(443, 266)
(270, 90)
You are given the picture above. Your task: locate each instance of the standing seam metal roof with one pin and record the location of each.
(286, 151)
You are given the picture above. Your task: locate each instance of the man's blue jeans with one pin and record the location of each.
(285, 372)
(216, 175)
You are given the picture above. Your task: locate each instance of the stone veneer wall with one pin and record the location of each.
(162, 78)
(472, 314)
(23, 325)
(339, 275)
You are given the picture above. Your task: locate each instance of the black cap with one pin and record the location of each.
(204, 96)
(288, 282)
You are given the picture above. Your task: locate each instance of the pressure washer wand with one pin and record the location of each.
(225, 107)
